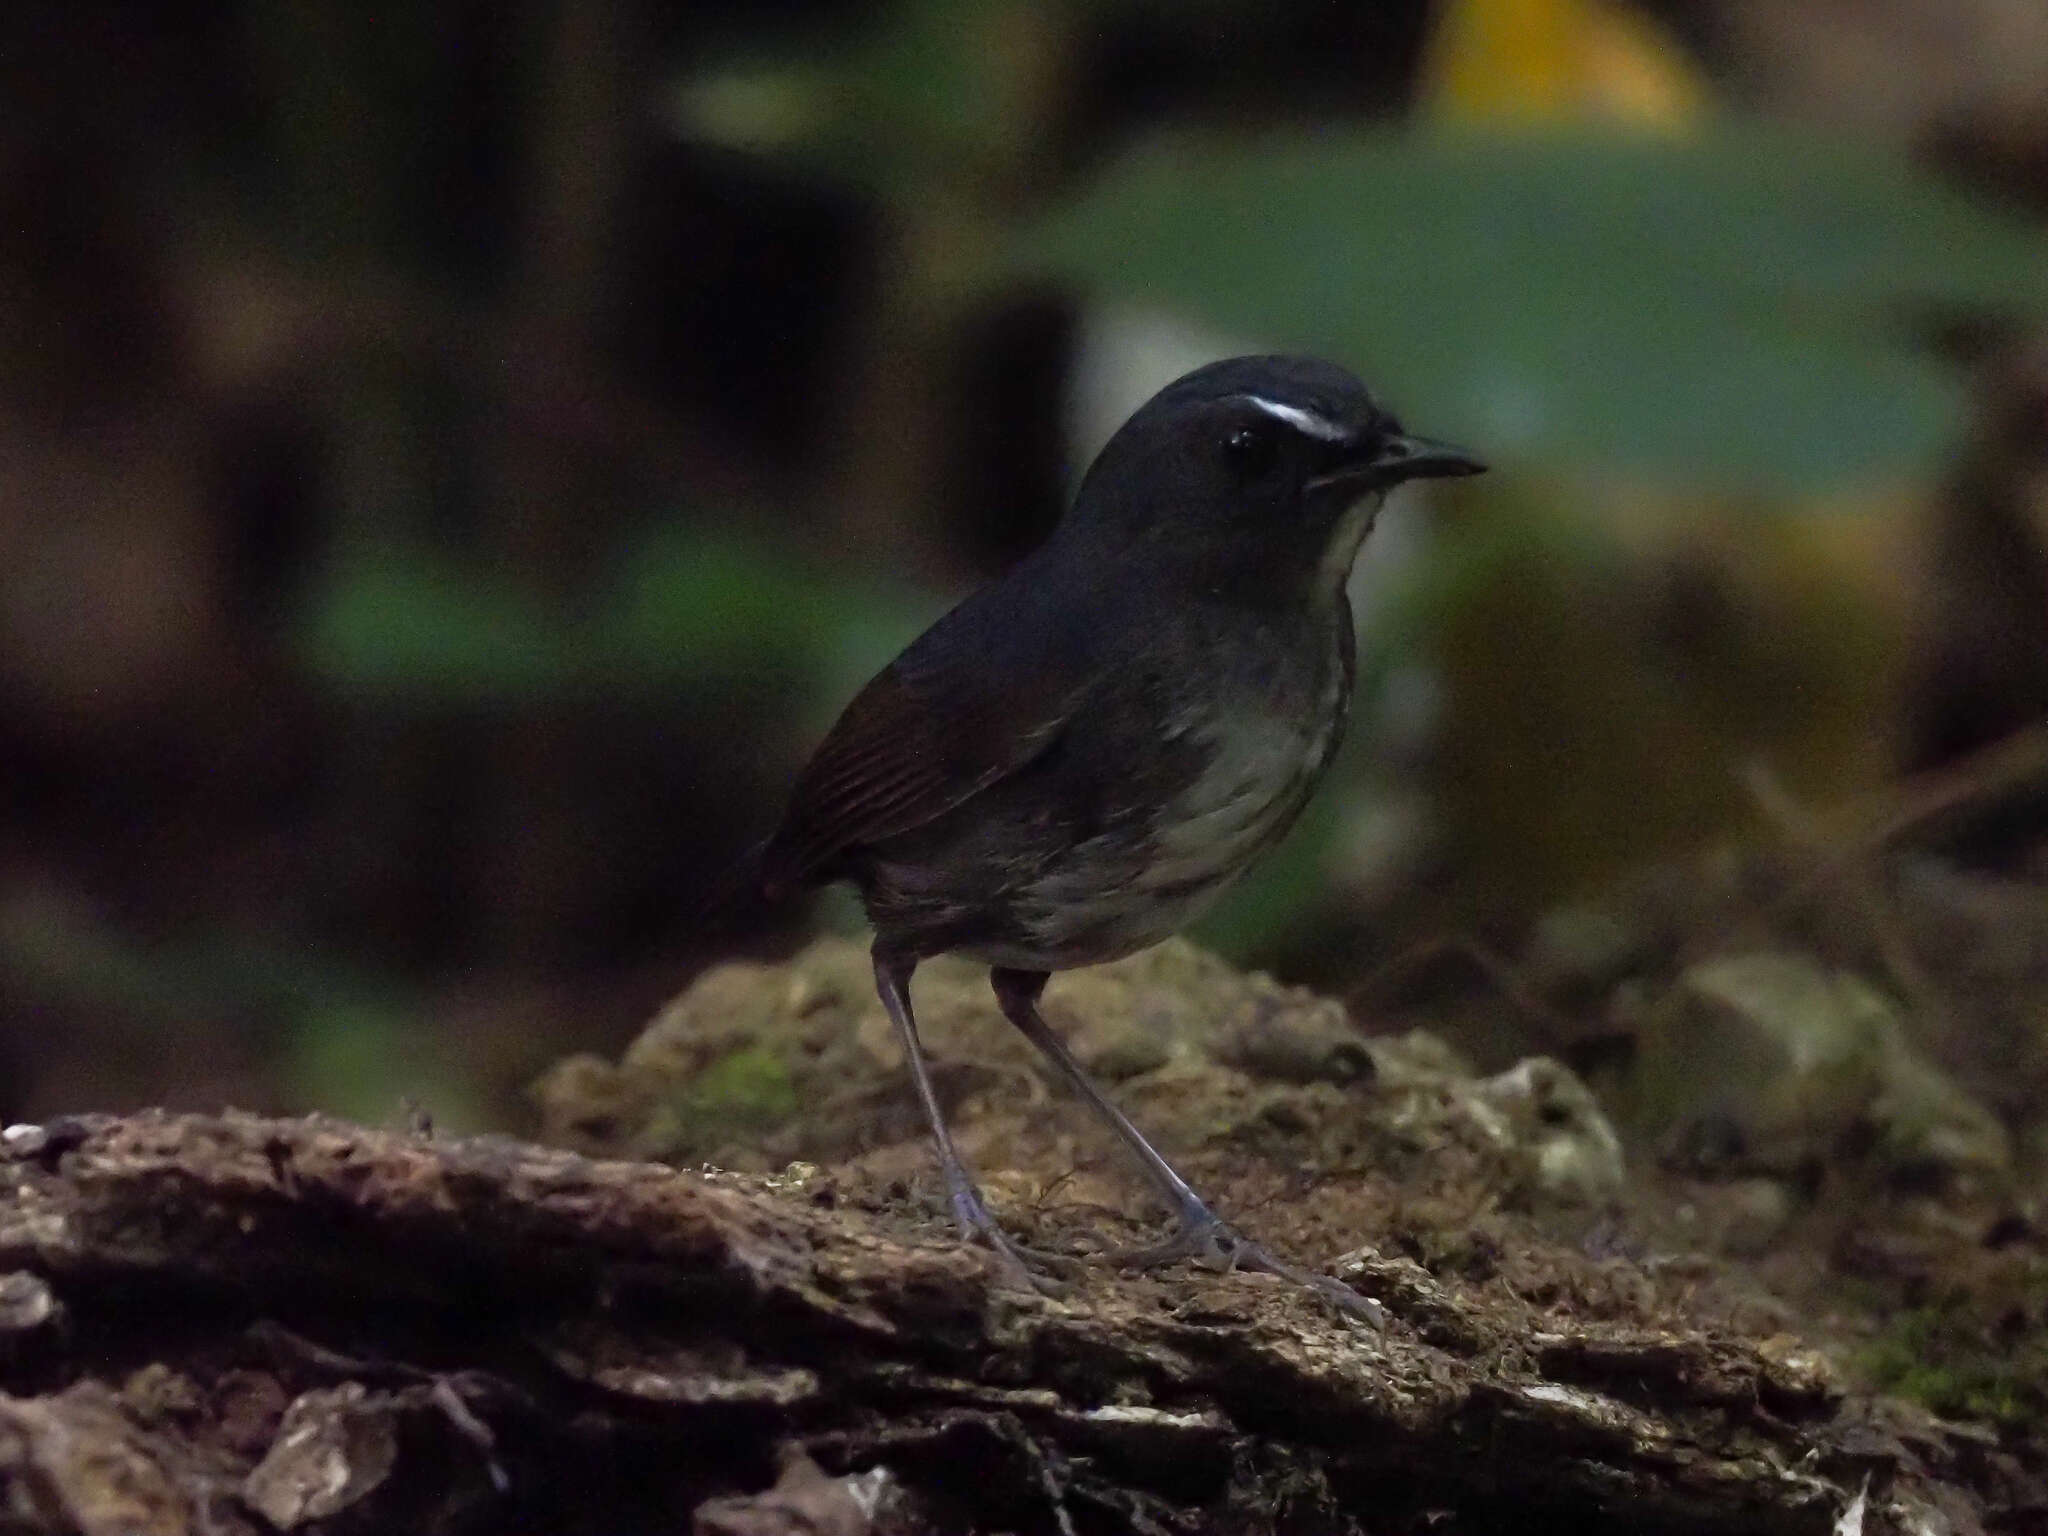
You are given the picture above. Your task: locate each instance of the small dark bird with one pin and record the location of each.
(1074, 762)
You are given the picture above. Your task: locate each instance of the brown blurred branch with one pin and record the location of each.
(2011, 764)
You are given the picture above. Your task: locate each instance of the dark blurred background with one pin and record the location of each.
(455, 459)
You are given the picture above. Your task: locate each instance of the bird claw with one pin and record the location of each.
(1208, 1240)
(1021, 1267)
(1024, 1266)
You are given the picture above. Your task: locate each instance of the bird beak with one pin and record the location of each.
(1399, 458)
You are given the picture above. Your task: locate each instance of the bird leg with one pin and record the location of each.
(1017, 994)
(1199, 1233)
(892, 980)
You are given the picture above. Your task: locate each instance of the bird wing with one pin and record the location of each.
(939, 725)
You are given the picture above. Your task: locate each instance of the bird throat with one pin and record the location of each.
(1347, 534)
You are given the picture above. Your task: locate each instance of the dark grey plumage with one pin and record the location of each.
(1078, 758)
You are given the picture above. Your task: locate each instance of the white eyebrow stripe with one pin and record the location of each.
(1302, 421)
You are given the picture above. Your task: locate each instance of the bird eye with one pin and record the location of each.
(1251, 452)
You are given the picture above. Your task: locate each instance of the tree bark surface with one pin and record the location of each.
(237, 1324)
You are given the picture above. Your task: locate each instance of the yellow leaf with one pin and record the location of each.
(1559, 61)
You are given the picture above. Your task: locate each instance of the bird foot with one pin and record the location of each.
(1206, 1239)
(1022, 1265)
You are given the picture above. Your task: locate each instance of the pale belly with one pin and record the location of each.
(1115, 895)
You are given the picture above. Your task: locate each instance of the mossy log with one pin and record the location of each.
(230, 1324)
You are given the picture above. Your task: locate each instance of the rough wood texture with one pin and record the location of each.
(234, 1324)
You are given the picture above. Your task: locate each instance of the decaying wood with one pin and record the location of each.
(235, 1324)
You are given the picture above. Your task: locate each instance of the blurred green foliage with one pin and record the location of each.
(409, 622)
(928, 93)
(1949, 1355)
(351, 1039)
(684, 607)
(1737, 308)
(369, 1059)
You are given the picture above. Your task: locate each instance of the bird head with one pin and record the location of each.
(1255, 463)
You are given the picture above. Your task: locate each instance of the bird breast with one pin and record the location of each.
(1250, 744)
(1263, 765)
